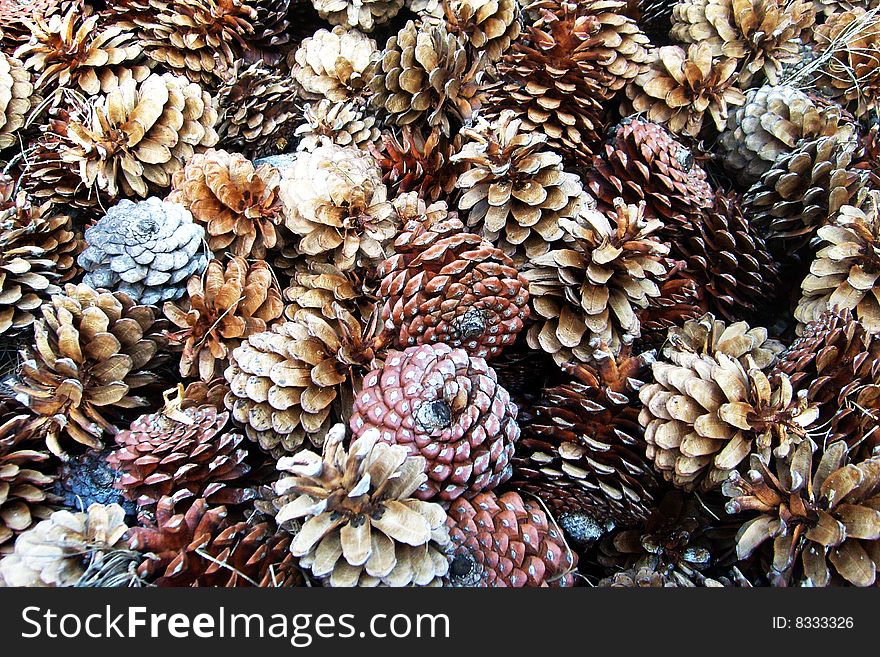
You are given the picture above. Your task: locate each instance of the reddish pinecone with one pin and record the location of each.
(197, 545)
(583, 454)
(447, 406)
(447, 285)
(174, 449)
(413, 162)
(503, 540)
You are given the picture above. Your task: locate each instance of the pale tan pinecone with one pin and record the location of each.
(365, 15)
(334, 64)
(16, 99)
(341, 123)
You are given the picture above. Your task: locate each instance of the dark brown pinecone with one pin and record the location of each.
(413, 162)
(681, 298)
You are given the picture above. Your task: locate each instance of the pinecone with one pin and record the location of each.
(831, 7)
(147, 250)
(362, 14)
(25, 475)
(55, 552)
(681, 86)
(272, 27)
(583, 454)
(15, 14)
(413, 162)
(133, 139)
(820, 510)
(635, 577)
(237, 202)
(361, 525)
(445, 285)
(336, 65)
(506, 541)
(194, 544)
(257, 110)
(284, 381)
(16, 99)
(761, 34)
(82, 53)
(335, 200)
(447, 406)
(712, 405)
(425, 76)
(484, 26)
(225, 305)
(342, 123)
(770, 124)
(316, 286)
(92, 350)
(515, 191)
(851, 44)
(845, 270)
(589, 292)
(803, 190)
(174, 449)
(680, 300)
(37, 249)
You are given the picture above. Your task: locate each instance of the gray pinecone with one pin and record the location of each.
(147, 249)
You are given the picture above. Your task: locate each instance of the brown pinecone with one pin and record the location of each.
(445, 285)
(846, 267)
(225, 305)
(761, 34)
(851, 44)
(515, 192)
(426, 77)
(334, 64)
(711, 405)
(589, 292)
(82, 53)
(681, 298)
(413, 162)
(803, 190)
(272, 28)
(237, 203)
(37, 252)
(506, 541)
(340, 123)
(583, 453)
(15, 14)
(770, 124)
(194, 544)
(361, 525)
(447, 406)
(257, 110)
(181, 449)
(199, 393)
(361, 14)
(25, 475)
(16, 99)
(681, 86)
(831, 7)
(819, 509)
(484, 26)
(92, 350)
(284, 382)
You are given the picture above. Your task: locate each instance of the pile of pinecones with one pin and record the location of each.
(439, 292)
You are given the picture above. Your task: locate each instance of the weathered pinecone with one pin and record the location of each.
(340, 123)
(361, 14)
(819, 509)
(336, 202)
(257, 110)
(680, 299)
(761, 34)
(16, 99)
(147, 250)
(583, 453)
(37, 252)
(845, 270)
(506, 541)
(361, 525)
(81, 53)
(316, 286)
(92, 349)
(284, 382)
(515, 192)
(334, 64)
(56, 551)
(588, 292)
(445, 285)
(237, 202)
(181, 449)
(770, 124)
(447, 406)
(802, 190)
(711, 406)
(194, 544)
(15, 14)
(484, 26)
(225, 305)
(272, 28)
(426, 77)
(413, 162)
(681, 86)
